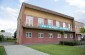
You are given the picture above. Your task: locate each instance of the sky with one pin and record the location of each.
(9, 10)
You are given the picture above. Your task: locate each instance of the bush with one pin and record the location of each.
(70, 43)
(1, 37)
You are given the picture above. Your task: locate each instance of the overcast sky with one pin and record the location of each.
(9, 10)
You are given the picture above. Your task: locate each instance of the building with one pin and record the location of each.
(40, 25)
(78, 25)
(6, 34)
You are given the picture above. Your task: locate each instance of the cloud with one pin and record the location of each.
(8, 21)
(22, 1)
(76, 3)
(56, 0)
(79, 13)
(8, 25)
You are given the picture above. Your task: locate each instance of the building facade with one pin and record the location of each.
(39, 25)
(78, 25)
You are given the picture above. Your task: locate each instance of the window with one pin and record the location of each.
(57, 23)
(59, 36)
(64, 25)
(40, 21)
(50, 35)
(71, 35)
(69, 26)
(50, 22)
(65, 35)
(29, 34)
(41, 35)
(29, 20)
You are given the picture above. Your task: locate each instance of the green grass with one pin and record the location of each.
(54, 49)
(2, 50)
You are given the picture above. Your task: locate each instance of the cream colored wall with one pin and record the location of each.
(37, 13)
(77, 25)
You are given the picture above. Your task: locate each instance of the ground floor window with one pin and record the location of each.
(29, 34)
(59, 36)
(65, 35)
(50, 35)
(41, 35)
(71, 35)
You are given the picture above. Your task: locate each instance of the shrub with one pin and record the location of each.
(70, 43)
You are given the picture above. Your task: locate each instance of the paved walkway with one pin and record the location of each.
(21, 50)
(7, 43)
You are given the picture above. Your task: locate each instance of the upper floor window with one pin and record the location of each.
(57, 23)
(29, 20)
(64, 25)
(41, 35)
(40, 21)
(70, 26)
(29, 34)
(65, 35)
(50, 35)
(50, 22)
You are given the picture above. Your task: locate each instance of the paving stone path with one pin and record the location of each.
(21, 50)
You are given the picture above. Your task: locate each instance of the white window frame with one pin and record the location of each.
(71, 35)
(50, 22)
(65, 35)
(57, 23)
(59, 36)
(69, 26)
(29, 20)
(39, 35)
(50, 35)
(40, 21)
(27, 34)
(64, 24)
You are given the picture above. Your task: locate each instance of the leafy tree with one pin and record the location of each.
(82, 30)
(62, 34)
(2, 30)
(15, 33)
(1, 37)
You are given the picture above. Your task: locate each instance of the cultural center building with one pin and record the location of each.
(40, 25)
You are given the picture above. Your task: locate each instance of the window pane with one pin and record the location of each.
(57, 23)
(40, 21)
(50, 22)
(29, 20)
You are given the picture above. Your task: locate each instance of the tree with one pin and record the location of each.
(15, 33)
(1, 37)
(2, 30)
(62, 34)
(82, 30)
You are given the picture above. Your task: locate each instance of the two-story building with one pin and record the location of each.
(78, 25)
(40, 25)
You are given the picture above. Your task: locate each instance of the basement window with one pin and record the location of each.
(65, 35)
(29, 34)
(41, 35)
(50, 35)
(59, 36)
(71, 35)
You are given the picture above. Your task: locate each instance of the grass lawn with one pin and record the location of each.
(2, 50)
(54, 49)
